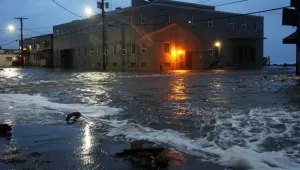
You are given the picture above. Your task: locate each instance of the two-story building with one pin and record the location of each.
(38, 50)
(161, 34)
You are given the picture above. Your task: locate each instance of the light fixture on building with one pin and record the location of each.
(179, 52)
(217, 44)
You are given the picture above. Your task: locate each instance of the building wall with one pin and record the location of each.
(188, 31)
(38, 50)
(7, 59)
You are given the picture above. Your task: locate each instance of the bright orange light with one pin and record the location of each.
(179, 52)
(217, 44)
(173, 53)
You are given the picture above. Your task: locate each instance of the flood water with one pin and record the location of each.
(232, 118)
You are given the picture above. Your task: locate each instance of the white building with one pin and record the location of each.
(8, 56)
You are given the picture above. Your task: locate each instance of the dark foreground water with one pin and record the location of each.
(231, 118)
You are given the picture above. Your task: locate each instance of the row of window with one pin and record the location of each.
(167, 20)
(42, 44)
(114, 49)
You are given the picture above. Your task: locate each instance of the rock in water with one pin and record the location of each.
(161, 160)
(76, 116)
(5, 128)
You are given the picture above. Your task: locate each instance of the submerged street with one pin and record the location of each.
(248, 119)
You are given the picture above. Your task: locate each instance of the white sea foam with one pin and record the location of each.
(237, 143)
(39, 109)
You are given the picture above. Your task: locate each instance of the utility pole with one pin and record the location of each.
(22, 45)
(102, 5)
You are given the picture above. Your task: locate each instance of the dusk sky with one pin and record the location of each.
(43, 14)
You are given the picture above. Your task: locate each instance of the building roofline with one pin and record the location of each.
(38, 36)
(157, 3)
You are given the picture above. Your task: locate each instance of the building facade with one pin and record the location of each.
(8, 56)
(161, 34)
(38, 51)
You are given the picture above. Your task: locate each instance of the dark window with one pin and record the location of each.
(133, 48)
(255, 27)
(167, 65)
(8, 58)
(115, 64)
(244, 26)
(211, 22)
(132, 64)
(143, 64)
(231, 25)
(78, 51)
(85, 52)
(144, 48)
(143, 18)
(115, 49)
(167, 47)
(167, 17)
(123, 49)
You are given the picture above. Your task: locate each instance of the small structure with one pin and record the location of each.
(38, 50)
(8, 56)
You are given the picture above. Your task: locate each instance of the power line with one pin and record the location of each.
(66, 9)
(9, 43)
(10, 38)
(229, 3)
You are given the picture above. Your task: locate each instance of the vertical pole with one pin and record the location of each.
(298, 53)
(22, 44)
(103, 36)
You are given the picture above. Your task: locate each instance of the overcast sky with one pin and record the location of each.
(45, 14)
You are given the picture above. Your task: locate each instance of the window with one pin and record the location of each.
(8, 58)
(132, 64)
(143, 18)
(167, 17)
(143, 64)
(211, 22)
(115, 64)
(144, 48)
(98, 27)
(123, 49)
(191, 21)
(210, 52)
(244, 26)
(167, 47)
(91, 52)
(57, 52)
(231, 25)
(78, 52)
(85, 52)
(255, 27)
(98, 51)
(115, 50)
(133, 49)
(92, 28)
(122, 22)
(167, 65)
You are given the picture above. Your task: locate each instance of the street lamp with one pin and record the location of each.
(88, 11)
(11, 28)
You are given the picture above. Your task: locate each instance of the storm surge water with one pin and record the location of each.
(237, 119)
(259, 139)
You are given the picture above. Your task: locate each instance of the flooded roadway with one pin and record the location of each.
(231, 118)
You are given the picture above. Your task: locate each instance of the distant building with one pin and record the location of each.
(161, 34)
(8, 56)
(38, 50)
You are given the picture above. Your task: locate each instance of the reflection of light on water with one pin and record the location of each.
(177, 158)
(87, 144)
(178, 91)
(87, 139)
(10, 73)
